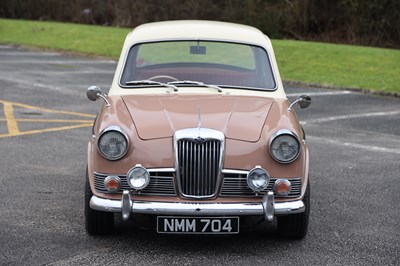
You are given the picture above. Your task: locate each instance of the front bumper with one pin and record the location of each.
(267, 208)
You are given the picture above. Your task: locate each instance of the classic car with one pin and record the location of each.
(197, 133)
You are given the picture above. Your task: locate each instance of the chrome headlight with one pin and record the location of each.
(138, 177)
(113, 143)
(258, 179)
(284, 146)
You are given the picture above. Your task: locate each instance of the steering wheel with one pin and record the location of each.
(163, 77)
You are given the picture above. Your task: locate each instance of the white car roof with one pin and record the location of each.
(195, 29)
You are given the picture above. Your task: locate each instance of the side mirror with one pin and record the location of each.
(302, 100)
(93, 93)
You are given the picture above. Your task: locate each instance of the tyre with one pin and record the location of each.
(96, 222)
(295, 226)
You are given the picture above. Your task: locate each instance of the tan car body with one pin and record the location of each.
(150, 117)
(247, 122)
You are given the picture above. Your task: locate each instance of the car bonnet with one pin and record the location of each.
(240, 118)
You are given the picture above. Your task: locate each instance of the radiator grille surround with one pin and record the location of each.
(199, 156)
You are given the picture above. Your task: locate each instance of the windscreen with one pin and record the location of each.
(216, 63)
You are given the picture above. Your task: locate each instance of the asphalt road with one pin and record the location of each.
(354, 143)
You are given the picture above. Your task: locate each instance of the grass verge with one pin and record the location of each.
(75, 38)
(332, 65)
(336, 65)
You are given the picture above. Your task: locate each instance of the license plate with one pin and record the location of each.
(197, 225)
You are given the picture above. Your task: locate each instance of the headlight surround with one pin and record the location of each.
(257, 179)
(284, 146)
(113, 143)
(138, 177)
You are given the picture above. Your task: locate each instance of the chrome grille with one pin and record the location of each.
(235, 185)
(161, 184)
(199, 165)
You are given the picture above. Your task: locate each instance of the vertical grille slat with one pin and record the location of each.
(199, 167)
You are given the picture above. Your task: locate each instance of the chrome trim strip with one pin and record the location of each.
(232, 171)
(200, 209)
(152, 170)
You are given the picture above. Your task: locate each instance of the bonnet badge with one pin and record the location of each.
(199, 140)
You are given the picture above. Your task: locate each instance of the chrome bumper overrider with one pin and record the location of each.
(267, 208)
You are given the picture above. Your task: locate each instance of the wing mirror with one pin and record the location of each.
(94, 93)
(303, 101)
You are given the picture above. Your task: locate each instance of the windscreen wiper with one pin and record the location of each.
(195, 83)
(151, 82)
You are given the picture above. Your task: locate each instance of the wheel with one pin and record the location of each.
(295, 226)
(163, 77)
(96, 222)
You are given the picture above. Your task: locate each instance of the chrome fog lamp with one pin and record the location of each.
(138, 177)
(284, 146)
(282, 187)
(113, 143)
(257, 179)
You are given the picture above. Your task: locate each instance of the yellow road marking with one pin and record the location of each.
(45, 109)
(49, 120)
(44, 130)
(12, 121)
(9, 114)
